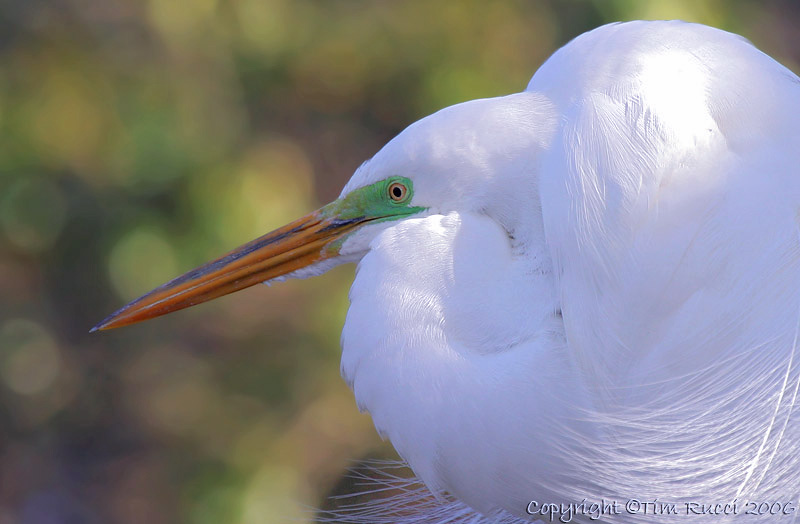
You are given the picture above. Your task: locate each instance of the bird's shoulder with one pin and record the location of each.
(671, 181)
(674, 73)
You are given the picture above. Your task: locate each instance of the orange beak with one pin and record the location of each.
(292, 247)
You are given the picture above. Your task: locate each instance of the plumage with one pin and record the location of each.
(592, 292)
(608, 308)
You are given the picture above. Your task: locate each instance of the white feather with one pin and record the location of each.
(646, 186)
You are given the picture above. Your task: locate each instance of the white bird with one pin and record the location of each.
(587, 291)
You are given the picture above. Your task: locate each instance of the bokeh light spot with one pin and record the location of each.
(29, 357)
(179, 18)
(69, 114)
(272, 495)
(271, 186)
(140, 261)
(264, 23)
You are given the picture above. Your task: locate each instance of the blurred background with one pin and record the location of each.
(139, 139)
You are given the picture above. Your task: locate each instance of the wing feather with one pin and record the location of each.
(670, 204)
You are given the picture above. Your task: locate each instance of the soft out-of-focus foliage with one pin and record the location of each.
(140, 138)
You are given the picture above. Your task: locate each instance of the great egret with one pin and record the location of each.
(585, 292)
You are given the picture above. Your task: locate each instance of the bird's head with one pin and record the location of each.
(474, 157)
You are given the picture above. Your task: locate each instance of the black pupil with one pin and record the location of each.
(397, 192)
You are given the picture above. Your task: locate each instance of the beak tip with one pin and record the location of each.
(105, 324)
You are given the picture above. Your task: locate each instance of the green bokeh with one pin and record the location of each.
(140, 138)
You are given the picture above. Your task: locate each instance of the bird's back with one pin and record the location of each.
(670, 203)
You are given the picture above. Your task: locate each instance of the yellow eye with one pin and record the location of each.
(397, 191)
